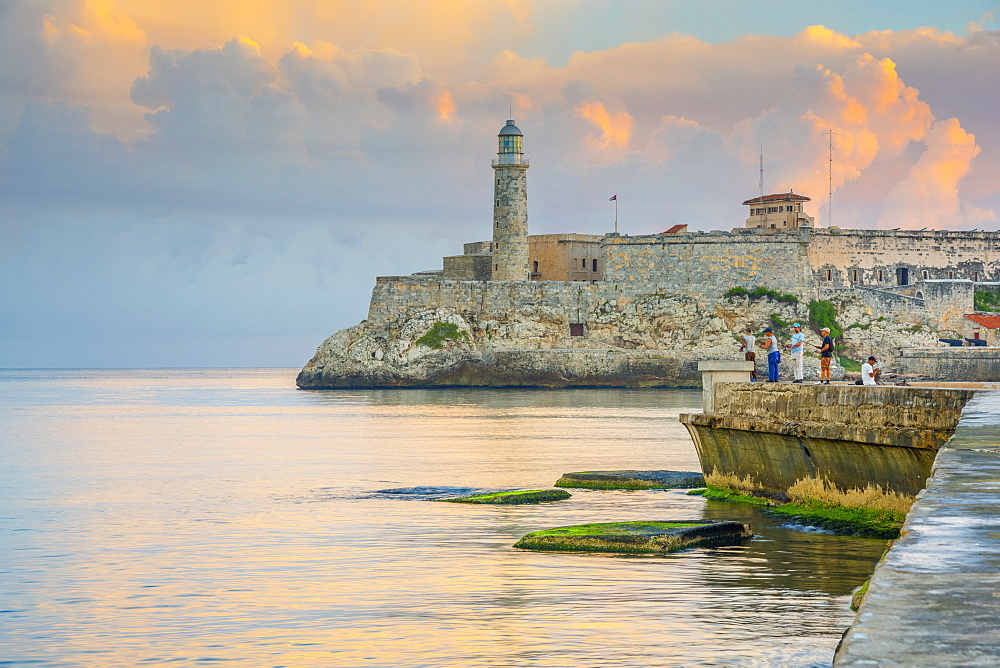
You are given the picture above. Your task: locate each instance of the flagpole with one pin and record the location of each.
(616, 214)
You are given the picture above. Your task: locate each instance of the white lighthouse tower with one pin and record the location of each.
(510, 208)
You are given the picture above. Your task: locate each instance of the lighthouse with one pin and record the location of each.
(510, 207)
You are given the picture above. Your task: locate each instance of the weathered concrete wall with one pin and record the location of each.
(806, 261)
(565, 257)
(960, 364)
(851, 435)
(705, 265)
(932, 601)
(967, 255)
(468, 267)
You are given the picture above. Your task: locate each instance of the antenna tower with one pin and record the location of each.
(761, 184)
(829, 199)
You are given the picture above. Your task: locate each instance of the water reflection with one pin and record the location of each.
(204, 516)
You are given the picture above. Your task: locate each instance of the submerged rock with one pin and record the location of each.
(631, 480)
(636, 537)
(514, 497)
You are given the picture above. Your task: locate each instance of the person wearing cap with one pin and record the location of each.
(870, 372)
(825, 356)
(798, 346)
(770, 344)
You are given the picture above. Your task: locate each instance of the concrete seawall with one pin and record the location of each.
(935, 598)
(852, 436)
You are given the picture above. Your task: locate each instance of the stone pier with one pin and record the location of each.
(852, 436)
(934, 600)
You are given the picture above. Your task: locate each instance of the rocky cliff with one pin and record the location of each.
(423, 332)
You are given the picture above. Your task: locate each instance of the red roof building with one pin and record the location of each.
(781, 211)
(987, 321)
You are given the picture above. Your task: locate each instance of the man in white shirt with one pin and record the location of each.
(798, 346)
(870, 372)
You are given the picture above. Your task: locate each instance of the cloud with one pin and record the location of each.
(928, 197)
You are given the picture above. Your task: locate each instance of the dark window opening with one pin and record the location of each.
(879, 275)
(594, 266)
(576, 329)
(583, 263)
(854, 275)
(925, 274)
(951, 274)
(903, 276)
(829, 274)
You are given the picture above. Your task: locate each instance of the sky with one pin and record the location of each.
(218, 183)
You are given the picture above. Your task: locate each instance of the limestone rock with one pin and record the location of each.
(636, 537)
(631, 480)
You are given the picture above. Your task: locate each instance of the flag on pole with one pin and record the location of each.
(613, 198)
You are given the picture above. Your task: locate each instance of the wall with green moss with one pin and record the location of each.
(851, 435)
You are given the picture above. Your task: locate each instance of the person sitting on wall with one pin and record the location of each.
(825, 356)
(770, 343)
(870, 373)
(747, 345)
(798, 346)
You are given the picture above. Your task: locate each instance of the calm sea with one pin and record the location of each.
(193, 517)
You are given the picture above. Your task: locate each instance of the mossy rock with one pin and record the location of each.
(636, 537)
(631, 480)
(841, 520)
(514, 497)
(844, 520)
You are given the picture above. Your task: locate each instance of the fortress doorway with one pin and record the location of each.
(903, 276)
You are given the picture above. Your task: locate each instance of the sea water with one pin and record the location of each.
(193, 517)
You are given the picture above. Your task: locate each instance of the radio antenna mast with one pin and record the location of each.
(761, 184)
(829, 199)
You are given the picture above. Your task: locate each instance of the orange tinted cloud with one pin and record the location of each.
(929, 194)
(615, 130)
(444, 104)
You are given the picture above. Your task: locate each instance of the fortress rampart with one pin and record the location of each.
(802, 262)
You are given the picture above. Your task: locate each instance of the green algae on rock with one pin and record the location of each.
(636, 537)
(631, 480)
(513, 497)
(840, 519)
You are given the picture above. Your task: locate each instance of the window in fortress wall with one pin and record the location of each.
(854, 275)
(879, 275)
(576, 329)
(829, 274)
(924, 274)
(951, 275)
(595, 265)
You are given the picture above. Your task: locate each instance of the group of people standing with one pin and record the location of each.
(796, 347)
